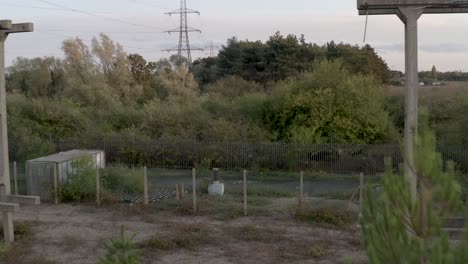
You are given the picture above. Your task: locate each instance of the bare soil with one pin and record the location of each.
(75, 234)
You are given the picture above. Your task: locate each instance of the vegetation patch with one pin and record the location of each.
(122, 179)
(23, 230)
(326, 216)
(189, 236)
(157, 242)
(253, 233)
(81, 184)
(121, 249)
(317, 251)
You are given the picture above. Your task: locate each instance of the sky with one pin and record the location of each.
(139, 24)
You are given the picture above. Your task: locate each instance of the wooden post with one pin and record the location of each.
(301, 189)
(177, 191)
(98, 187)
(245, 192)
(56, 200)
(194, 189)
(15, 177)
(361, 191)
(182, 191)
(145, 185)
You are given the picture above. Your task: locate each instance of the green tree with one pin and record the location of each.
(399, 230)
(121, 250)
(329, 105)
(141, 70)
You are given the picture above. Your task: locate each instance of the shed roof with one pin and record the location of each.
(66, 156)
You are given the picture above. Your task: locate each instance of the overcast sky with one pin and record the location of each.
(138, 26)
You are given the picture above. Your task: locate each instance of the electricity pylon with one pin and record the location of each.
(183, 30)
(211, 49)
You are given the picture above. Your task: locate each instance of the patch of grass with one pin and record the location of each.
(189, 236)
(317, 251)
(269, 192)
(345, 195)
(156, 242)
(23, 230)
(254, 233)
(325, 216)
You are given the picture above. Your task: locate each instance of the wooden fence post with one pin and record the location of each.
(361, 191)
(15, 177)
(56, 200)
(177, 191)
(182, 191)
(245, 192)
(145, 185)
(98, 186)
(301, 189)
(194, 189)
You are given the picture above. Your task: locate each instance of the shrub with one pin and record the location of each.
(123, 179)
(121, 250)
(81, 184)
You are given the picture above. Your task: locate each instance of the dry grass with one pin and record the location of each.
(328, 217)
(181, 235)
(17, 252)
(451, 89)
(255, 233)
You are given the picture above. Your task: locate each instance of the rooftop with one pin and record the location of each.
(66, 156)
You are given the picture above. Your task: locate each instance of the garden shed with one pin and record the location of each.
(40, 171)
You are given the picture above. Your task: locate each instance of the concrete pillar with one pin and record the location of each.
(4, 160)
(3, 195)
(15, 177)
(410, 16)
(8, 227)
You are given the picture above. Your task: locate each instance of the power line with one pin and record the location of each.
(147, 4)
(34, 7)
(183, 30)
(96, 15)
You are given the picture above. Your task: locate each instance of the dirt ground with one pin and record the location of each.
(76, 234)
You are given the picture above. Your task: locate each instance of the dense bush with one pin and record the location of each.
(81, 183)
(122, 179)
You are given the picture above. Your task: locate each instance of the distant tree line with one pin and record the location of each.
(281, 90)
(282, 57)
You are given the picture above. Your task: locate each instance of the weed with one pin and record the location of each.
(317, 251)
(156, 242)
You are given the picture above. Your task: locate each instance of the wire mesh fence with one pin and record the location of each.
(368, 159)
(330, 171)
